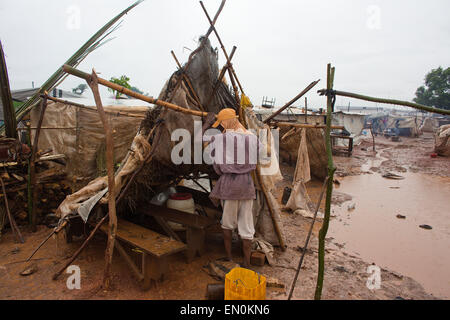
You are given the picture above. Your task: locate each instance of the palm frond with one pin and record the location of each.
(93, 43)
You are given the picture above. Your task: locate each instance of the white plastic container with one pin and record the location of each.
(181, 202)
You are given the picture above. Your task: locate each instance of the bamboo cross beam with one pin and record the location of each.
(82, 106)
(230, 66)
(123, 90)
(287, 105)
(188, 82)
(305, 125)
(387, 101)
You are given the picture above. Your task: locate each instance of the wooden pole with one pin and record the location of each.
(230, 66)
(123, 90)
(331, 169)
(9, 114)
(306, 110)
(287, 105)
(304, 125)
(33, 164)
(93, 83)
(389, 101)
(82, 106)
(272, 214)
(236, 93)
(373, 137)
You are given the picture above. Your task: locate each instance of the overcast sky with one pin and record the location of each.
(379, 47)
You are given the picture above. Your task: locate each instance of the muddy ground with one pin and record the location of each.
(345, 274)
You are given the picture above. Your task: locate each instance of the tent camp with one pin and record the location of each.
(353, 123)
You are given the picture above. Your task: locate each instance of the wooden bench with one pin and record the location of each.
(153, 247)
(195, 227)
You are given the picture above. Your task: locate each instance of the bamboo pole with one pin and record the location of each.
(93, 83)
(307, 239)
(123, 90)
(200, 47)
(301, 94)
(331, 170)
(230, 66)
(305, 125)
(389, 101)
(82, 106)
(33, 164)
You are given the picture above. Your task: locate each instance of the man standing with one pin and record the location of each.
(235, 157)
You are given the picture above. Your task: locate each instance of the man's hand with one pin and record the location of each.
(209, 120)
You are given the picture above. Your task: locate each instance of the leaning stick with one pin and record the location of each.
(388, 101)
(123, 90)
(55, 230)
(301, 94)
(12, 222)
(272, 213)
(294, 282)
(111, 183)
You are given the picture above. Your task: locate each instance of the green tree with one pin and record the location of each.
(122, 81)
(136, 90)
(80, 89)
(436, 91)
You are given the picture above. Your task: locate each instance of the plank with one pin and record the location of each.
(151, 242)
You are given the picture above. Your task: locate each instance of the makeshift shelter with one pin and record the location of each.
(407, 126)
(353, 123)
(76, 131)
(442, 141)
(290, 140)
(205, 92)
(429, 124)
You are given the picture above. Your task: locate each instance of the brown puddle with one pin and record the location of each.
(374, 233)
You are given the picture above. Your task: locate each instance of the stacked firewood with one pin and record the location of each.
(50, 185)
